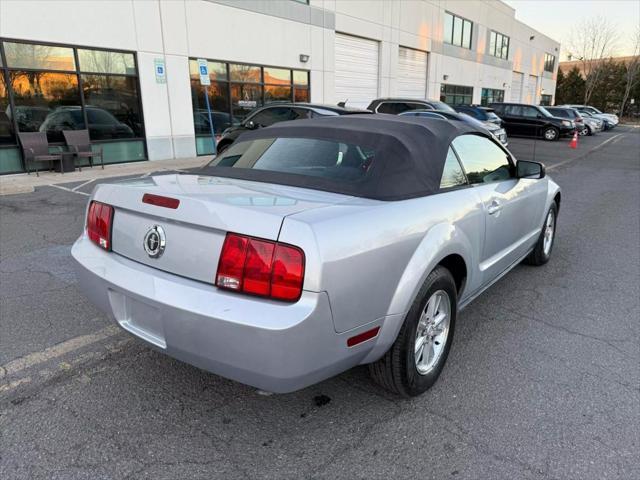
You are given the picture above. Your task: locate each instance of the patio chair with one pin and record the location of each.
(35, 148)
(79, 144)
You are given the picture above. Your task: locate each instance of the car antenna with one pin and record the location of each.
(343, 104)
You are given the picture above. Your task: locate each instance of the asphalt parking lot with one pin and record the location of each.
(543, 380)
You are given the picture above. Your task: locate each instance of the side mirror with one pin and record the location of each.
(525, 169)
(538, 116)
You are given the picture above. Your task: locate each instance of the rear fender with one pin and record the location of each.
(440, 241)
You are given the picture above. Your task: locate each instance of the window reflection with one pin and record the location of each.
(6, 125)
(217, 71)
(101, 61)
(220, 106)
(245, 73)
(244, 98)
(112, 106)
(300, 77)
(40, 97)
(300, 94)
(236, 90)
(25, 55)
(274, 93)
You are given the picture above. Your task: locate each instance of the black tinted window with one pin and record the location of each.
(513, 110)
(270, 116)
(302, 156)
(396, 108)
(530, 112)
(452, 175)
(483, 160)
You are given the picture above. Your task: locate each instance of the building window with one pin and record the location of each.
(549, 62)
(490, 95)
(457, 30)
(52, 88)
(235, 90)
(456, 94)
(545, 100)
(498, 45)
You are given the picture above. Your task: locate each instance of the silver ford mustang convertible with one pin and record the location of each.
(313, 246)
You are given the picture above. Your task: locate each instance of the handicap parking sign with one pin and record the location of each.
(203, 67)
(161, 73)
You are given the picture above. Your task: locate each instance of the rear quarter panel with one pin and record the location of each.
(371, 257)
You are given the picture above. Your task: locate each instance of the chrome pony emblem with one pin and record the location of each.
(154, 241)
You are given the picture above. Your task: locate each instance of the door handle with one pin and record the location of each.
(494, 208)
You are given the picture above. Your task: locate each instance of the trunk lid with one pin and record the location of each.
(209, 208)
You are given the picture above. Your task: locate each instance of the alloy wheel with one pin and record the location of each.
(549, 229)
(432, 332)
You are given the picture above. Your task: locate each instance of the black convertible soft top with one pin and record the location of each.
(410, 153)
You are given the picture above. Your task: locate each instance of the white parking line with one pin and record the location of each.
(58, 350)
(75, 189)
(68, 190)
(587, 153)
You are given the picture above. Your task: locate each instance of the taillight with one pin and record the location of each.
(261, 267)
(99, 220)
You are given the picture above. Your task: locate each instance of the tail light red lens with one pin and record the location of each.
(261, 267)
(99, 220)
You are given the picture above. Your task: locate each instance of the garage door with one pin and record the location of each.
(412, 73)
(356, 70)
(516, 86)
(532, 90)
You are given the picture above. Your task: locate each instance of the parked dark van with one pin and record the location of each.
(532, 121)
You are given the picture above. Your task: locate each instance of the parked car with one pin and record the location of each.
(532, 121)
(494, 128)
(573, 115)
(396, 106)
(610, 119)
(221, 121)
(102, 124)
(483, 114)
(594, 124)
(318, 245)
(280, 112)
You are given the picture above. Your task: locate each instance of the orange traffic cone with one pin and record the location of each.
(574, 141)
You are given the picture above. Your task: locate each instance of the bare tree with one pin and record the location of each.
(592, 40)
(632, 74)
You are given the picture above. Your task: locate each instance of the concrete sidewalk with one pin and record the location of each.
(23, 183)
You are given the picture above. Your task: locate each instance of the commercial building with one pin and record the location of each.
(129, 69)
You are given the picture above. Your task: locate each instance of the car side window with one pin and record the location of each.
(482, 159)
(513, 110)
(396, 108)
(388, 107)
(452, 175)
(270, 116)
(530, 112)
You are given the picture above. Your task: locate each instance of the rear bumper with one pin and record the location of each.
(270, 345)
(567, 130)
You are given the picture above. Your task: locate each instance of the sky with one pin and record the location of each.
(555, 18)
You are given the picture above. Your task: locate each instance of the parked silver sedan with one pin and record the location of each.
(313, 246)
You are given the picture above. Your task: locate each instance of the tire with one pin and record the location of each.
(551, 134)
(397, 370)
(584, 132)
(542, 251)
(590, 131)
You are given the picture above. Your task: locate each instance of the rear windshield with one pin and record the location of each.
(302, 156)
